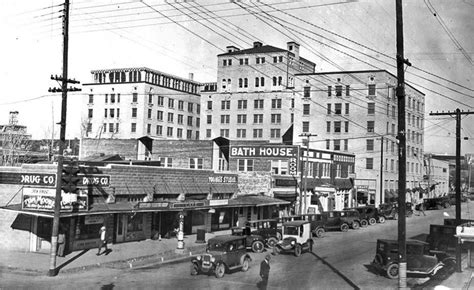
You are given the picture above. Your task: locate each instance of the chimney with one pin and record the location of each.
(294, 48)
(231, 48)
(257, 44)
(191, 77)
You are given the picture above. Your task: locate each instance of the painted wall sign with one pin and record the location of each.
(222, 179)
(264, 151)
(97, 180)
(188, 204)
(215, 202)
(43, 199)
(36, 179)
(153, 205)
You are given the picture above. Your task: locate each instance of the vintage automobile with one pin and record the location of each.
(368, 215)
(296, 238)
(352, 218)
(267, 229)
(390, 210)
(420, 261)
(434, 203)
(223, 254)
(253, 242)
(452, 198)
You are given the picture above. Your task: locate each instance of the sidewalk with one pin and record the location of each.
(124, 255)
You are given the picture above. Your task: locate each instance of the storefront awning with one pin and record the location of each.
(343, 184)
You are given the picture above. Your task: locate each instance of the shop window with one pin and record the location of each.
(135, 223)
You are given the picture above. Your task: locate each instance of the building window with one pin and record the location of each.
(371, 126)
(257, 82)
(180, 119)
(346, 144)
(328, 127)
(112, 98)
(338, 91)
(244, 165)
(105, 113)
(159, 115)
(209, 119)
(337, 126)
(337, 145)
(91, 99)
(209, 105)
(225, 105)
(166, 161)
(170, 117)
(370, 144)
(241, 119)
(112, 113)
(329, 109)
(190, 120)
(393, 112)
(258, 104)
(346, 126)
(208, 133)
(161, 101)
(306, 109)
(241, 133)
(372, 90)
(305, 127)
(190, 107)
(274, 133)
(150, 99)
(338, 109)
(258, 118)
(242, 104)
(369, 163)
(149, 113)
(134, 112)
(329, 91)
(280, 167)
(371, 108)
(90, 113)
(347, 109)
(262, 81)
(225, 119)
(169, 131)
(179, 133)
(306, 93)
(257, 133)
(134, 127)
(195, 163)
(148, 128)
(159, 130)
(328, 144)
(246, 82)
(276, 103)
(225, 133)
(171, 103)
(276, 118)
(348, 90)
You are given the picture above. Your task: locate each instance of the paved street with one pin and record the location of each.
(340, 260)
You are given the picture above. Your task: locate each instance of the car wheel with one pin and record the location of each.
(355, 225)
(194, 269)
(271, 242)
(372, 221)
(392, 271)
(245, 265)
(297, 250)
(257, 247)
(449, 265)
(279, 236)
(363, 223)
(381, 219)
(320, 232)
(220, 270)
(344, 228)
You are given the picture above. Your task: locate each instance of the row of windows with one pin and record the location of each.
(242, 133)
(338, 144)
(245, 61)
(392, 165)
(242, 119)
(242, 104)
(338, 90)
(169, 131)
(160, 114)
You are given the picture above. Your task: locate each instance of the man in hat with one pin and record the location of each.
(103, 240)
(264, 272)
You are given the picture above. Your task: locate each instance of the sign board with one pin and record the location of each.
(222, 179)
(188, 204)
(96, 180)
(93, 219)
(35, 179)
(264, 151)
(216, 202)
(286, 182)
(43, 199)
(153, 205)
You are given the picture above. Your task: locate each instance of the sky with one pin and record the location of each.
(182, 37)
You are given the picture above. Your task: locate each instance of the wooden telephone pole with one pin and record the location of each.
(458, 114)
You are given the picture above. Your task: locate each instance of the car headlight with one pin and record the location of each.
(199, 258)
(292, 243)
(213, 259)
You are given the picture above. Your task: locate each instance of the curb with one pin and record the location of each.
(167, 257)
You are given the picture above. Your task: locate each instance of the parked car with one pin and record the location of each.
(296, 238)
(267, 229)
(330, 220)
(420, 261)
(352, 218)
(368, 215)
(390, 210)
(223, 254)
(452, 198)
(253, 242)
(434, 203)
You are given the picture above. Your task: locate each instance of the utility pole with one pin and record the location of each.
(306, 169)
(402, 159)
(53, 271)
(458, 114)
(381, 170)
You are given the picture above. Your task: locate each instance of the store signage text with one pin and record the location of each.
(222, 179)
(44, 199)
(153, 205)
(102, 180)
(188, 204)
(93, 219)
(36, 179)
(215, 202)
(268, 151)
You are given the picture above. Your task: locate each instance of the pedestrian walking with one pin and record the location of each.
(103, 240)
(264, 272)
(61, 243)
